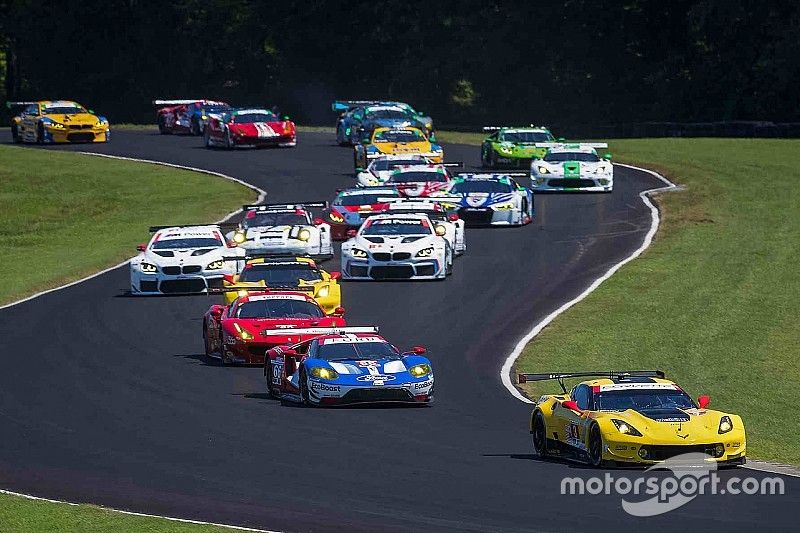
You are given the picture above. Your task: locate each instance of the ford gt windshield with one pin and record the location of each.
(357, 351)
(560, 157)
(279, 308)
(175, 244)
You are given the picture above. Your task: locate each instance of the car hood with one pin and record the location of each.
(420, 147)
(667, 425)
(189, 256)
(82, 119)
(394, 243)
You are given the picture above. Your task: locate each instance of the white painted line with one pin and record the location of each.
(131, 513)
(773, 468)
(262, 194)
(505, 371)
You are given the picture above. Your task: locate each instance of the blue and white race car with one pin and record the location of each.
(488, 199)
(351, 365)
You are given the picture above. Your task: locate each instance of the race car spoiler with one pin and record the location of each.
(321, 331)
(185, 101)
(285, 205)
(566, 144)
(347, 105)
(496, 128)
(612, 374)
(18, 104)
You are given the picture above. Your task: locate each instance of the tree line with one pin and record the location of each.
(463, 62)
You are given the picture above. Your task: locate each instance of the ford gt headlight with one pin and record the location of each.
(419, 371)
(336, 217)
(148, 268)
(425, 252)
(359, 253)
(324, 291)
(303, 235)
(243, 333)
(321, 372)
(239, 237)
(215, 265)
(625, 428)
(725, 424)
(506, 205)
(542, 170)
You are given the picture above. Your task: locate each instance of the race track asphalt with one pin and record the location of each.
(108, 399)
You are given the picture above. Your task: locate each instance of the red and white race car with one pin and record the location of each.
(241, 333)
(186, 116)
(415, 181)
(352, 206)
(249, 128)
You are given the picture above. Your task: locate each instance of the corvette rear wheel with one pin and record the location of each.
(539, 435)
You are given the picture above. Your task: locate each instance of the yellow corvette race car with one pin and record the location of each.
(395, 141)
(287, 273)
(60, 121)
(636, 417)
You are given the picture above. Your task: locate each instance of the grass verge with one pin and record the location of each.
(23, 514)
(65, 215)
(714, 301)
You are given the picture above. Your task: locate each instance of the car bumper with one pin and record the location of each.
(354, 269)
(502, 161)
(94, 135)
(146, 284)
(491, 217)
(339, 231)
(558, 184)
(627, 451)
(247, 353)
(258, 142)
(332, 394)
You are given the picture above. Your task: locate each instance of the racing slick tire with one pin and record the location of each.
(228, 140)
(448, 268)
(490, 160)
(15, 134)
(40, 133)
(539, 435)
(340, 140)
(207, 139)
(595, 447)
(162, 126)
(303, 383)
(194, 128)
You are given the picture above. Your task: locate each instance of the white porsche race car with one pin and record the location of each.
(572, 167)
(183, 260)
(455, 232)
(289, 229)
(380, 169)
(403, 246)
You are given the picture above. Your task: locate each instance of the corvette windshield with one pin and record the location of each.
(527, 137)
(366, 198)
(279, 308)
(385, 114)
(417, 177)
(469, 186)
(273, 274)
(388, 164)
(174, 244)
(252, 118)
(357, 351)
(63, 110)
(289, 218)
(560, 157)
(397, 227)
(620, 400)
(398, 136)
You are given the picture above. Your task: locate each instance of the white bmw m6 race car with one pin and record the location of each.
(380, 169)
(403, 246)
(455, 231)
(283, 229)
(572, 167)
(183, 260)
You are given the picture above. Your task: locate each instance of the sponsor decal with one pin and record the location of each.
(634, 386)
(325, 387)
(423, 384)
(375, 378)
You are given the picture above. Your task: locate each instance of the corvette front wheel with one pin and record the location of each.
(595, 447)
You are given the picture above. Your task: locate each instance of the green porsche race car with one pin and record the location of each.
(513, 147)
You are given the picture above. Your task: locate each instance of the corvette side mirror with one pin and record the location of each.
(572, 405)
(703, 401)
(141, 247)
(336, 275)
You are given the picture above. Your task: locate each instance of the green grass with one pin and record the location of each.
(714, 301)
(66, 215)
(19, 514)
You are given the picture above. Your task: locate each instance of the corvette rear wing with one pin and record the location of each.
(612, 374)
(321, 331)
(285, 205)
(454, 164)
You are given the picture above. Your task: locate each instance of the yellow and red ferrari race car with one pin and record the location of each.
(58, 121)
(395, 141)
(287, 273)
(633, 417)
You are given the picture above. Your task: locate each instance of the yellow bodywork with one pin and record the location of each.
(376, 147)
(568, 431)
(36, 124)
(327, 292)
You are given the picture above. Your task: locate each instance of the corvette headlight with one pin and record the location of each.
(243, 333)
(419, 371)
(148, 268)
(507, 205)
(625, 428)
(425, 252)
(336, 217)
(324, 373)
(215, 265)
(323, 291)
(239, 237)
(542, 170)
(725, 424)
(357, 252)
(303, 235)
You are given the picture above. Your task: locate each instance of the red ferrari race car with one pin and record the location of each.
(415, 181)
(352, 206)
(242, 332)
(186, 116)
(250, 128)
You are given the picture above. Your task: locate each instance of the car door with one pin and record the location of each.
(30, 117)
(571, 424)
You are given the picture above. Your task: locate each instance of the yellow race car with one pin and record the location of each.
(395, 141)
(286, 273)
(636, 417)
(60, 121)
